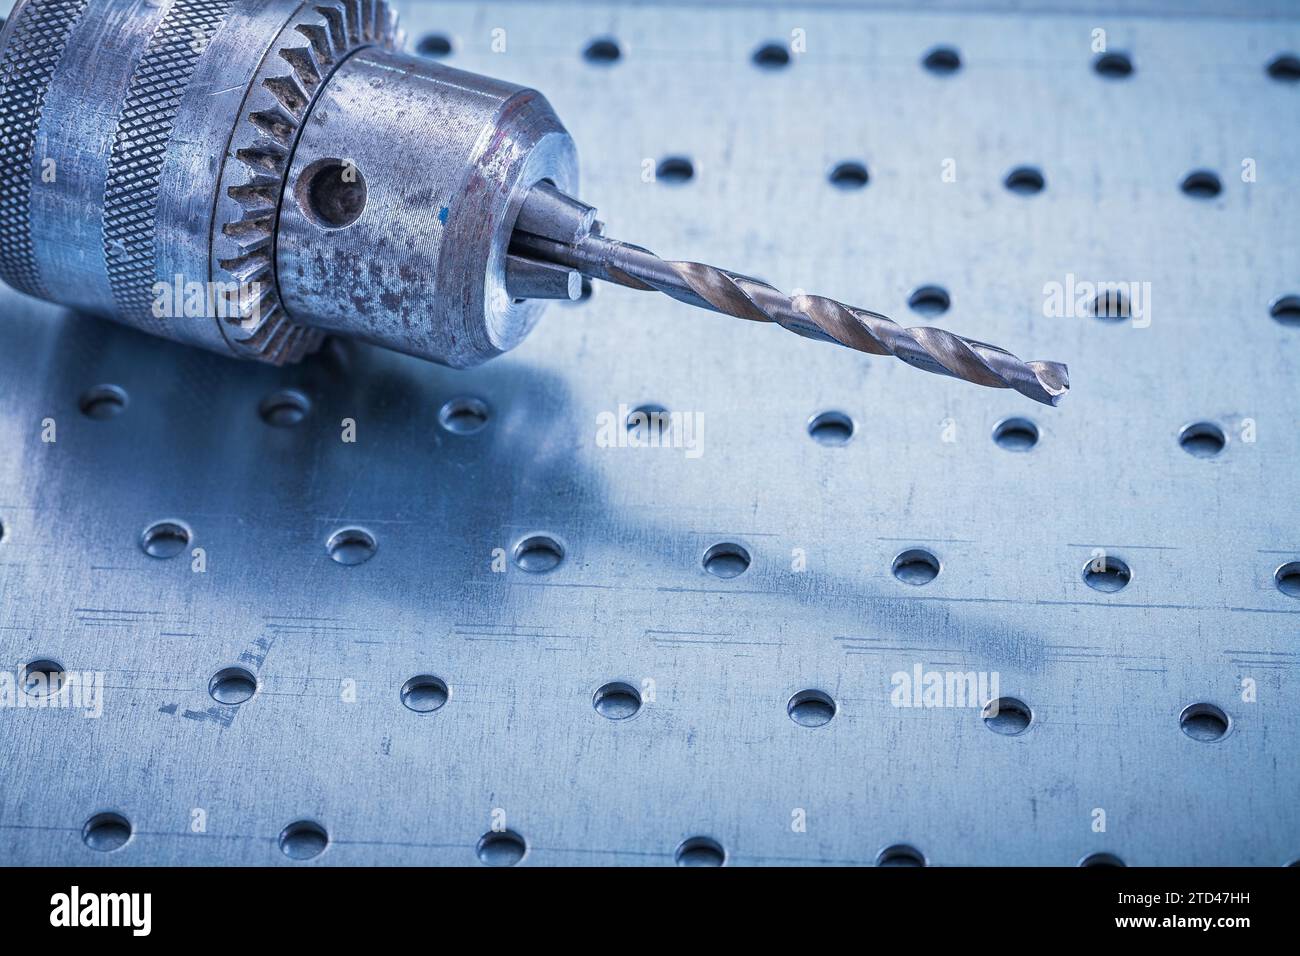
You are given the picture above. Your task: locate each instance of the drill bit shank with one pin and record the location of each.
(815, 317)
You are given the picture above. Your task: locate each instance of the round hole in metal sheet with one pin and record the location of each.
(464, 415)
(351, 546)
(232, 685)
(1202, 184)
(106, 832)
(1102, 859)
(726, 559)
(434, 45)
(942, 61)
(811, 708)
(1286, 309)
(285, 408)
(700, 851)
(164, 539)
(916, 566)
(772, 56)
(675, 170)
(42, 678)
(103, 402)
(1007, 716)
(1015, 434)
(831, 428)
(538, 553)
(1111, 306)
(1287, 579)
(1202, 439)
(602, 51)
(303, 840)
(1285, 68)
(425, 693)
(900, 854)
(647, 422)
(1113, 66)
(501, 848)
(849, 175)
(617, 700)
(1204, 722)
(331, 193)
(1025, 181)
(929, 300)
(1107, 574)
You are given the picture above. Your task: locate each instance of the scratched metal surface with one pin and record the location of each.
(715, 754)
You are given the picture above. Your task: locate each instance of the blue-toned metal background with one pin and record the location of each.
(1106, 675)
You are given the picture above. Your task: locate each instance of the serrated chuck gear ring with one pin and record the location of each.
(315, 40)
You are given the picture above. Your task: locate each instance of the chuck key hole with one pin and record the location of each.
(332, 193)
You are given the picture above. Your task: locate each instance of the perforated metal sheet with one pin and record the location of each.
(715, 754)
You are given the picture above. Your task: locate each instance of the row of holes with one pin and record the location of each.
(539, 553)
(1114, 65)
(285, 408)
(466, 415)
(1199, 439)
(918, 567)
(307, 839)
(940, 60)
(619, 700)
(300, 840)
(1022, 180)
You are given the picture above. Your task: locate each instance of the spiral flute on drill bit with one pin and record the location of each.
(817, 317)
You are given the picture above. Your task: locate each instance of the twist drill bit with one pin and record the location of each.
(812, 316)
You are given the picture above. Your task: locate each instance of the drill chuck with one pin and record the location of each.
(249, 175)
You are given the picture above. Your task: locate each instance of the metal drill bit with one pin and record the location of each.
(812, 316)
